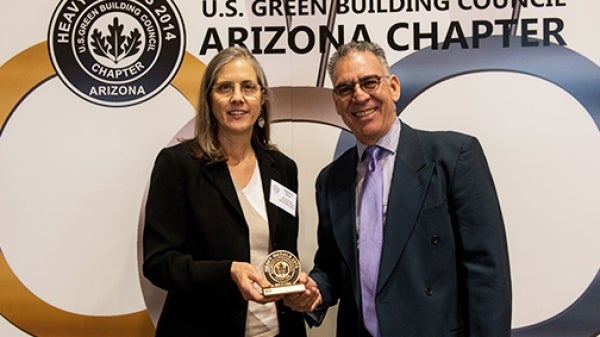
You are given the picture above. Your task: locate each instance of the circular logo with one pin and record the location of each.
(116, 53)
(281, 268)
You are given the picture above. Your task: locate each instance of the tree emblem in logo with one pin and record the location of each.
(116, 46)
(116, 53)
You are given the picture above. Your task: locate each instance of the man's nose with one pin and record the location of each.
(358, 93)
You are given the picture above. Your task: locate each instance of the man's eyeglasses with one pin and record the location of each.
(368, 84)
(225, 89)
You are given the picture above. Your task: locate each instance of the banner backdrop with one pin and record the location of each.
(81, 124)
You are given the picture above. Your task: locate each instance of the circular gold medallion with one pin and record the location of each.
(281, 268)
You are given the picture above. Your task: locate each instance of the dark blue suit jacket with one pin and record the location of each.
(444, 268)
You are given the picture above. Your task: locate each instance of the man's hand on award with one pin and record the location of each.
(247, 277)
(306, 301)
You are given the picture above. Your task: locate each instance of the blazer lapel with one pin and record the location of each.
(409, 182)
(219, 175)
(268, 173)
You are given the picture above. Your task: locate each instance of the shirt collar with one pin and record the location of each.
(389, 141)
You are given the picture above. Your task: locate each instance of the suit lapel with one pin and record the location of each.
(342, 198)
(409, 182)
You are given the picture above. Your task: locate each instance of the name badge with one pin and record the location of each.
(283, 197)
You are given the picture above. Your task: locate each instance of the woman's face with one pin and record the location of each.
(236, 98)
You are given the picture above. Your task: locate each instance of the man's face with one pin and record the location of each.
(368, 109)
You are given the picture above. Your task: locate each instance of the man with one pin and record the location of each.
(441, 261)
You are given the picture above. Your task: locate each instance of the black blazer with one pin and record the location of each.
(194, 229)
(444, 268)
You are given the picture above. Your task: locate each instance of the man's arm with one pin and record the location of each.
(482, 254)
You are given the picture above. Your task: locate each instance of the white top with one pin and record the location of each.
(261, 319)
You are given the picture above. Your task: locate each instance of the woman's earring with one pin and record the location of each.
(261, 122)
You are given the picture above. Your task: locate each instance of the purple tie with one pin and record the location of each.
(370, 237)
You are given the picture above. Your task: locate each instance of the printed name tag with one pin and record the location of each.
(283, 197)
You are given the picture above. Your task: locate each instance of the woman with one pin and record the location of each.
(209, 222)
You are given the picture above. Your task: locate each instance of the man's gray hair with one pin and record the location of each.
(361, 46)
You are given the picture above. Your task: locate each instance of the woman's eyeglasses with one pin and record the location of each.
(368, 84)
(226, 89)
